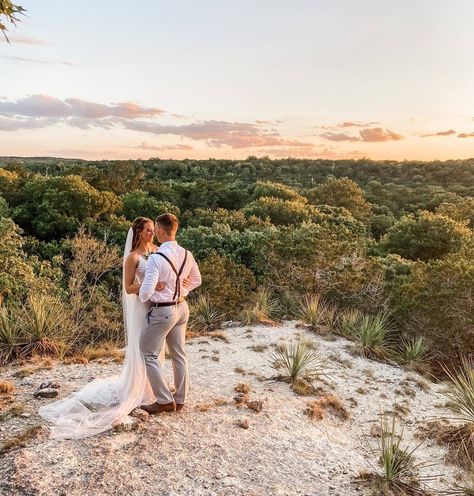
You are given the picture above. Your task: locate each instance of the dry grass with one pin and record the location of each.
(328, 403)
(21, 440)
(219, 335)
(401, 409)
(25, 372)
(304, 388)
(75, 359)
(102, 351)
(205, 406)
(258, 348)
(458, 439)
(240, 370)
(15, 411)
(6, 387)
(242, 388)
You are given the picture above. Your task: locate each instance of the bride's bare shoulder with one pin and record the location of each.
(132, 258)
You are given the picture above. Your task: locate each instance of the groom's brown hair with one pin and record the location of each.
(169, 222)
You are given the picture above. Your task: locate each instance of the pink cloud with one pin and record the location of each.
(48, 106)
(466, 135)
(146, 146)
(220, 133)
(440, 133)
(357, 124)
(377, 134)
(23, 40)
(339, 137)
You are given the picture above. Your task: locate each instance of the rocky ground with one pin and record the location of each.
(207, 449)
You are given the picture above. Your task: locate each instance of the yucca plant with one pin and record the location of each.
(316, 313)
(399, 472)
(204, 316)
(10, 339)
(373, 334)
(414, 352)
(297, 361)
(263, 310)
(42, 319)
(348, 322)
(287, 305)
(460, 392)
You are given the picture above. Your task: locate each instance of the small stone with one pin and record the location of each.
(241, 398)
(376, 430)
(255, 405)
(46, 393)
(25, 415)
(127, 424)
(50, 385)
(140, 414)
(244, 423)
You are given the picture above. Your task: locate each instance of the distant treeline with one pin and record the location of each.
(376, 236)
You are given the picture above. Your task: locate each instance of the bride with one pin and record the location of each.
(103, 403)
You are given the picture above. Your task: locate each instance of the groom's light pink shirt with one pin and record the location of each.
(159, 270)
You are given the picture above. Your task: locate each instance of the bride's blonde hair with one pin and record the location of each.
(137, 226)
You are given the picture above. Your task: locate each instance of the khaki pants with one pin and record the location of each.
(166, 324)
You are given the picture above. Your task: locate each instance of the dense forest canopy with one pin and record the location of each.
(369, 235)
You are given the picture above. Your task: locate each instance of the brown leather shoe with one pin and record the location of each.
(179, 406)
(156, 407)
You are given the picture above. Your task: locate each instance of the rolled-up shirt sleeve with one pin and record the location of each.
(151, 279)
(194, 276)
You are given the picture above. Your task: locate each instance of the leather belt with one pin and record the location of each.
(167, 303)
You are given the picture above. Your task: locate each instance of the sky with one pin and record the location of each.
(203, 79)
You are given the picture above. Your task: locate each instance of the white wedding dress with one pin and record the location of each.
(103, 403)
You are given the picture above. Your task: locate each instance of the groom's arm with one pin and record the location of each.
(152, 275)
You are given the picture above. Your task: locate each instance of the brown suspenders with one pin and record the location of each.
(177, 289)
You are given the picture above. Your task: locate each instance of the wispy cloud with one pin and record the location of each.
(466, 135)
(357, 124)
(339, 137)
(42, 110)
(37, 61)
(377, 134)
(220, 133)
(23, 40)
(440, 133)
(72, 108)
(369, 135)
(163, 148)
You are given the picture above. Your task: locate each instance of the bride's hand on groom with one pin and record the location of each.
(161, 285)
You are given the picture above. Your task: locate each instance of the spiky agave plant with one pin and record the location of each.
(287, 305)
(414, 352)
(264, 308)
(10, 339)
(460, 396)
(373, 335)
(316, 313)
(42, 319)
(204, 316)
(297, 362)
(348, 322)
(399, 471)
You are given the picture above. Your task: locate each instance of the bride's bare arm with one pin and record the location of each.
(131, 263)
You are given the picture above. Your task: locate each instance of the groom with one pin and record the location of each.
(169, 314)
